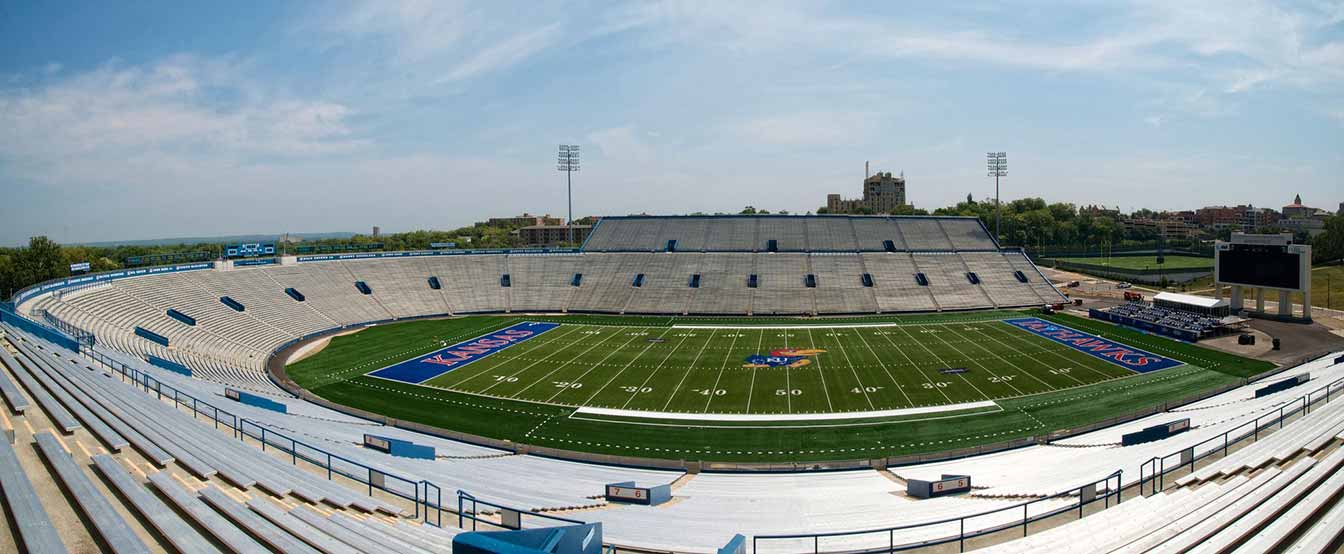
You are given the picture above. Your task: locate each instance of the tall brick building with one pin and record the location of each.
(882, 193)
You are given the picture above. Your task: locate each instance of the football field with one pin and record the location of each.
(760, 390)
(790, 369)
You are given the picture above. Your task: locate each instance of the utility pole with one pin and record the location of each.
(998, 167)
(568, 161)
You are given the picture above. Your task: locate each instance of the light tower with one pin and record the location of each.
(568, 161)
(998, 167)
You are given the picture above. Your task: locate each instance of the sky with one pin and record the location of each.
(147, 119)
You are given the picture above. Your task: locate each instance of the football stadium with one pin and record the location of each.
(575, 277)
(773, 384)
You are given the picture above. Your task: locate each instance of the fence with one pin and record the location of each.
(1156, 468)
(425, 495)
(1087, 494)
(51, 335)
(84, 338)
(468, 508)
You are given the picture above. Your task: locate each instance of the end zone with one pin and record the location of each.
(1130, 358)
(423, 368)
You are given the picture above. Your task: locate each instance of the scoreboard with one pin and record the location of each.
(1264, 266)
(1263, 261)
(251, 250)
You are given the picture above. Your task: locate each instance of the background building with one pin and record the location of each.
(524, 220)
(552, 235)
(882, 193)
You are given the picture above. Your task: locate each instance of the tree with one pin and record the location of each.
(749, 210)
(1329, 246)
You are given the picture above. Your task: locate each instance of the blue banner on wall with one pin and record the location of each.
(438, 362)
(1127, 357)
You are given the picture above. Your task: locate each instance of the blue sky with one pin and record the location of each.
(155, 119)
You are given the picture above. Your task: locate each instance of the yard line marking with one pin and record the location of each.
(859, 380)
(941, 361)
(529, 366)
(912, 363)
(485, 368)
(886, 370)
(1031, 374)
(982, 366)
(723, 367)
(627, 366)
(688, 371)
(1024, 354)
(788, 385)
(579, 379)
(543, 378)
(751, 390)
(654, 372)
(820, 373)
(1056, 349)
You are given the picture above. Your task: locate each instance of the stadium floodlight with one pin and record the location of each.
(998, 167)
(568, 161)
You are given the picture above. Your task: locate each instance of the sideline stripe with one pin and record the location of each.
(680, 416)
(423, 368)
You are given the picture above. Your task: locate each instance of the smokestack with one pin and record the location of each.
(865, 169)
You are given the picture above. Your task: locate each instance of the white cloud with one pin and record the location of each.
(505, 53)
(621, 144)
(52, 68)
(810, 128)
(116, 113)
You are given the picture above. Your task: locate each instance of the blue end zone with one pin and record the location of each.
(438, 362)
(1129, 358)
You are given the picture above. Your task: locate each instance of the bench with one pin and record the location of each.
(254, 524)
(222, 529)
(297, 527)
(59, 415)
(35, 531)
(320, 522)
(114, 530)
(17, 401)
(178, 532)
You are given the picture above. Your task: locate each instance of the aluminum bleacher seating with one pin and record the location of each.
(171, 526)
(118, 536)
(34, 528)
(924, 234)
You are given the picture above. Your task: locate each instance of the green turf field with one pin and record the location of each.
(1144, 262)
(704, 370)
(528, 392)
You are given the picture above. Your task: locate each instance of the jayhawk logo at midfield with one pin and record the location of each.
(787, 357)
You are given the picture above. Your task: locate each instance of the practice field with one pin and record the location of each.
(710, 389)
(1144, 262)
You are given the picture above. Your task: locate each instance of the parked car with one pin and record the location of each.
(1072, 284)
(1122, 285)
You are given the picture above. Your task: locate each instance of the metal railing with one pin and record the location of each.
(1087, 494)
(416, 491)
(468, 509)
(84, 338)
(1156, 468)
